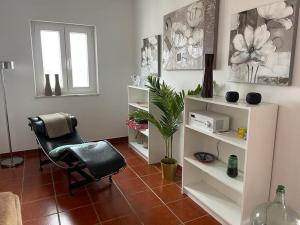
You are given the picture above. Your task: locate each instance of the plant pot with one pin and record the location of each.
(168, 171)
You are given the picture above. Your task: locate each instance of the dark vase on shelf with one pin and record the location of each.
(48, 89)
(207, 86)
(253, 98)
(232, 96)
(57, 85)
(232, 167)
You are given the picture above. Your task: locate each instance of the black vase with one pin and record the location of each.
(207, 86)
(253, 98)
(232, 96)
(232, 167)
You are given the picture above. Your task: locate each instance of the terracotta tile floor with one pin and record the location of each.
(138, 195)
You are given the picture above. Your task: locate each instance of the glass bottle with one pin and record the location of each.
(275, 212)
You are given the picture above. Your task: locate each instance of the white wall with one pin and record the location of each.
(100, 116)
(149, 21)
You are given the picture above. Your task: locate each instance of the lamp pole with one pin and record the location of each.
(11, 161)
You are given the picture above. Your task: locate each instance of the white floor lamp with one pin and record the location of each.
(12, 161)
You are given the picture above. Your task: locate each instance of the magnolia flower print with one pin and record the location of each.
(165, 58)
(278, 12)
(147, 58)
(235, 22)
(195, 47)
(180, 34)
(195, 14)
(254, 45)
(252, 48)
(153, 41)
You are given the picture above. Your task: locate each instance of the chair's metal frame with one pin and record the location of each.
(72, 167)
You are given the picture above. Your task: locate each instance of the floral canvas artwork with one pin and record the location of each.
(190, 33)
(150, 56)
(262, 44)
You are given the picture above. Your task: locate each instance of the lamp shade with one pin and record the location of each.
(7, 65)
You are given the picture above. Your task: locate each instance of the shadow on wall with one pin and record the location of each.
(287, 150)
(296, 74)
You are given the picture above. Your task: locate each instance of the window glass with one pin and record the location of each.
(51, 55)
(79, 59)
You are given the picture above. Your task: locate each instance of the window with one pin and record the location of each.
(68, 50)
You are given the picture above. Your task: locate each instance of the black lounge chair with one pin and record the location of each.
(102, 160)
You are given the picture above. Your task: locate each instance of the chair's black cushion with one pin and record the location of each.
(50, 144)
(101, 158)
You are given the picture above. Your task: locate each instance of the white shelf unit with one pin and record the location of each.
(230, 200)
(139, 99)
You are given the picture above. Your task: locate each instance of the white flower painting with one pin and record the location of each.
(150, 56)
(190, 33)
(262, 43)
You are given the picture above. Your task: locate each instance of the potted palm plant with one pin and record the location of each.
(171, 105)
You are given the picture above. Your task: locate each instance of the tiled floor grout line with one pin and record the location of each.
(55, 197)
(93, 205)
(177, 200)
(131, 207)
(37, 200)
(81, 206)
(196, 218)
(147, 174)
(23, 178)
(75, 208)
(164, 185)
(118, 217)
(156, 194)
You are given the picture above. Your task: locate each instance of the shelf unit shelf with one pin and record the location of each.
(138, 88)
(220, 100)
(217, 169)
(139, 99)
(139, 149)
(211, 199)
(139, 106)
(145, 132)
(229, 137)
(229, 200)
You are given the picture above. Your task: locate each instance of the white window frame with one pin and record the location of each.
(64, 30)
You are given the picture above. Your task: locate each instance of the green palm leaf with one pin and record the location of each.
(171, 105)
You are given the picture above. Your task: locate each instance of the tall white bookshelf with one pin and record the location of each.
(139, 99)
(230, 200)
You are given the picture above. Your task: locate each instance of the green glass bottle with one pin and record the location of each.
(275, 212)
